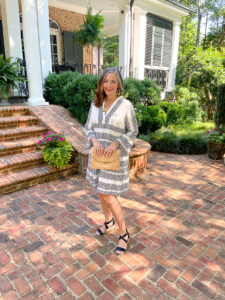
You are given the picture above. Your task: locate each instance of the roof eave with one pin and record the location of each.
(191, 10)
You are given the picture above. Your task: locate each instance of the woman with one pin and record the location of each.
(111, 125)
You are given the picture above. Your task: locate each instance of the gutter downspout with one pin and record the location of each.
(131, 39)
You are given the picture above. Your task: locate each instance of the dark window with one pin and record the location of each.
(54, 50)
(158, 41)
(73, 52)
(2, 47)
(53, 24)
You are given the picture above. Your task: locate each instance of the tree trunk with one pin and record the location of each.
(221, 42)
(199, 23)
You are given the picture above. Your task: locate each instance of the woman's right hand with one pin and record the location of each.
(98, 148)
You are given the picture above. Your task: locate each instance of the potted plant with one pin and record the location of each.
(9, 78)
(91, 32)
(56, 150)
(216, 143)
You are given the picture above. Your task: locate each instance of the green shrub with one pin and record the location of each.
(54, 87)
(144, 91)
(150, 93)
(79, 94)
(184, 94)
(166, 106)
(191, 144)
(165, 140)
(192, 111)
(150, 118)
(188, 112)
(182, 139)
(132, 89)
(175, 114)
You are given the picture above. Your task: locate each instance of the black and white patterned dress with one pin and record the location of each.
(120, 124)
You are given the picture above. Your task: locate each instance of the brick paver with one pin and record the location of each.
(176, 217)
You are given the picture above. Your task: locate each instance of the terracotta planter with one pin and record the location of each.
(215, 150)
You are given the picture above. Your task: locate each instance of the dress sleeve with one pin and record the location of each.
(89, 129)
(126, 140)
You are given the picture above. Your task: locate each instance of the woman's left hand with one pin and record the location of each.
(110, 150)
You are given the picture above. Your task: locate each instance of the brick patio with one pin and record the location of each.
(175, 215)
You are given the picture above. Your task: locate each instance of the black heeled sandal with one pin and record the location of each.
(122, 237)
(106, 226)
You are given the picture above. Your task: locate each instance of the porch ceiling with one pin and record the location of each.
(111, 9)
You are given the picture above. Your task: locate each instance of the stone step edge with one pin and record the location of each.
(38, 180)
(11, 161)
(10, 110)
(21, 130)
(11, 145)
(17, 119)
(31, 174)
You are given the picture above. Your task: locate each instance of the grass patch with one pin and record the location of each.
(180, 139)
(194, 128)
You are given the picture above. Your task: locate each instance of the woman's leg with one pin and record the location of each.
(113, 203)
(107, 212)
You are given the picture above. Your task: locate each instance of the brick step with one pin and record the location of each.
(24, 179)
(19, 162)
(14, 111)
(18, 121)
(21, 133)
(20, 146)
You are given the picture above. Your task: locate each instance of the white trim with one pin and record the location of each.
(44, 37)
(156, 68)
(174, 56)
(124, 41)
(32, 52)
(57, 33)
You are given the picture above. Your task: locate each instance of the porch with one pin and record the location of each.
(148, 37)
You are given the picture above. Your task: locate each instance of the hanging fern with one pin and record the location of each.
(91, 31)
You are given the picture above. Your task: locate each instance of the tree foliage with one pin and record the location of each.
(205, 72)
(111, 52)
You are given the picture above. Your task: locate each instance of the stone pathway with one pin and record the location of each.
(175, 214)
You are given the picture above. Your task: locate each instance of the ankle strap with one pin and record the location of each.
(122, 237)
(106, 223)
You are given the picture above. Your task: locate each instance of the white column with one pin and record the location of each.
(139, 43)
(124, 41)
(44, 37)
(174, 55)
(11, 28)
(32, 52)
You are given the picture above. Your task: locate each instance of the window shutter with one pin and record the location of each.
(148, 42)
(73, 52)
(167, 48)
(157, 47)
(2, 47)
(158, 41)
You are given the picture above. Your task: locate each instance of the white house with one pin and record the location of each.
(153, 24)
